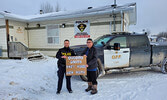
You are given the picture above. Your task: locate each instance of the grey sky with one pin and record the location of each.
(151, 14)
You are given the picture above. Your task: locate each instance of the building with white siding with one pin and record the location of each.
(46, 32)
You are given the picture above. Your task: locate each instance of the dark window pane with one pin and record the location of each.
(121, 40)
(50, 40)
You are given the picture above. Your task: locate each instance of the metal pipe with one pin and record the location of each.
(121, 21)
(114, 17)
(111, 27)
(115, 2)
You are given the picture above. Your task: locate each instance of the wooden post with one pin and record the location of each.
(7, 36)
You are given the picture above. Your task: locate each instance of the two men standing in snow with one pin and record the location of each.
(91, 54)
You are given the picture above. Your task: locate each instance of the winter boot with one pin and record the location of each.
(94, 90)
(89, 87)
(70, 91)
(58, 92)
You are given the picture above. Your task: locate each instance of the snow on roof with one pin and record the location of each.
(128, 8)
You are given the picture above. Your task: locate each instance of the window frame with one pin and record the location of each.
(120, 43)
(138, 45)
(53, 36)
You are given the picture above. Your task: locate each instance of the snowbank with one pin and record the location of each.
(26, 80)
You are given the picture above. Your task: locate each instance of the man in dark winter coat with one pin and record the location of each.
(91, 54)
(61, 56)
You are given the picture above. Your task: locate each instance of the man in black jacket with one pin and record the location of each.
(61, 56)
(91, 54)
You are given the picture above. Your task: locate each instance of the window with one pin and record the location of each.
(98, 41)
(121, 40)
(53, 34)
(138, 41)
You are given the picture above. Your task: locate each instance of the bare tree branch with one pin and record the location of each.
(47, 7)
(162, 34)
(57, 8)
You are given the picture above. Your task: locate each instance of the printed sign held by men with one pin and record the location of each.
(76, 65)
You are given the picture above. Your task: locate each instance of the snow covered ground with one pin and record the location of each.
(26, 80)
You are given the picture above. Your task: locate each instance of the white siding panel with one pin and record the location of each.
(38, 38)
(19, 37)
(4, 54)
(3, 41)
(2, 22)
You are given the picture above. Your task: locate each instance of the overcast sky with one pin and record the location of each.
(151, 14)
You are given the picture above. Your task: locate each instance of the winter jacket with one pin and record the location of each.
(64, 52)
(91, 57)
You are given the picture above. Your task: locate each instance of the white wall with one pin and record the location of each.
(2, 22)
(18, 36)
(3, 42)
(21, 37)
(38, 37)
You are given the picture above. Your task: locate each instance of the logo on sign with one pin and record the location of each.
(19, 30)
(81, 27)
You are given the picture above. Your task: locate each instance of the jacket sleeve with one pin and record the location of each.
(58, 55)
(94, 59)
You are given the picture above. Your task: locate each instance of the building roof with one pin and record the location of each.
(130, 9)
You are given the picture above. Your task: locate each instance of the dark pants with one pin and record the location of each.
(92, 77)
(61, 72)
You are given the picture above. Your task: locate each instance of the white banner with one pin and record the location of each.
(82, 29)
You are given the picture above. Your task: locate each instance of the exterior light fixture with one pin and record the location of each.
(63, 25)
